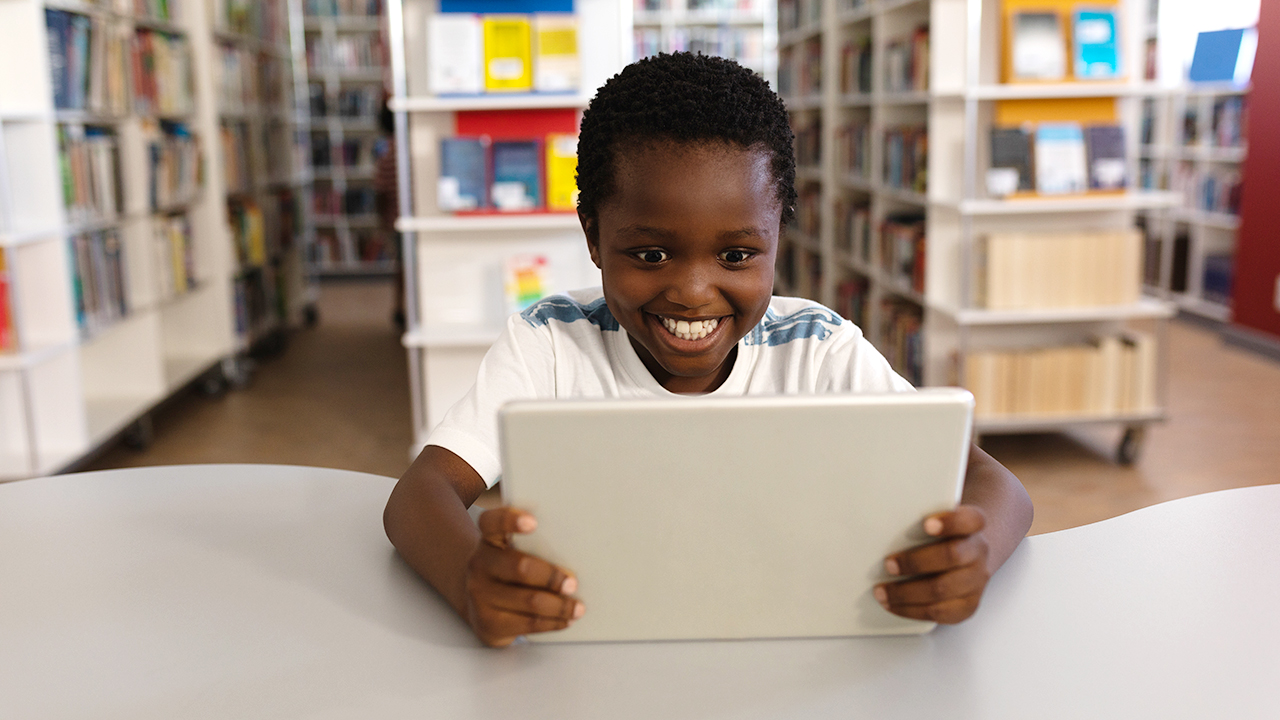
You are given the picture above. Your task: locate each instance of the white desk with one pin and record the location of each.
(271, 592)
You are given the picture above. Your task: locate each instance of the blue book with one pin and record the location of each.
(1217, 55)
(1061, 165)
(1097, 55)
(517, 175)
(462, 182)
(56, 24)
(78, 61)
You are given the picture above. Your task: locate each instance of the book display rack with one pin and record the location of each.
(745, 30)
(346, 62)
(487, 102)
(957, 189)
(116, 270)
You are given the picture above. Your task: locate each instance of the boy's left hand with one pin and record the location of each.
(953, 571)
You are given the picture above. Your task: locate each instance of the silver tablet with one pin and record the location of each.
(698, 518)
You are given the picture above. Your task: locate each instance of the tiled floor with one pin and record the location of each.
(338, 397)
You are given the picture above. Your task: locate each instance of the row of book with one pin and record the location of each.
(851, 299)
(368, 246)
(1228, 123)
(167, 10)
(1019, 271)
(906, 62)
(743, 44)
(8, 329)
(248, 79)
(808, 216)
(238, 159)
(1217, 271)
(853, 229)
(352, 201)
(98, 280)
(248, 232)
(902, 249)
(345, 52)
(853, 149)
(1215, 190)
(698, 5)
(800, 70)
(508, 175)
(808, 141)
(793, 14)
(341, 8)
(354, 102)
(470, 54)
(87, 62)
(174, 256)
(352, 152)
(901, 340)
(90, 167)
(855, 67)
(1057, 159)
(264, 19)
(174, 167)
(1112, 375)
(906, 158)
(1047, 44)
(161, 74)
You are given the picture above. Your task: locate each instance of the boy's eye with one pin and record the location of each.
(652, 256)
(735, 257)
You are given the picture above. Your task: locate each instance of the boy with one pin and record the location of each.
(686, 177)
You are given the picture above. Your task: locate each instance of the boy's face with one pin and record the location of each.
(686, 250)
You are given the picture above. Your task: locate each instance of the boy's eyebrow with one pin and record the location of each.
(636, 229)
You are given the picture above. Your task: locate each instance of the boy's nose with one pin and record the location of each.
(691, 286)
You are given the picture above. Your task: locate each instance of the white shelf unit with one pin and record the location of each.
(454, 263)
(65, 392)
(1189, 244)
(744, 30)
(258, 104)
(343, 103)
(958, 108)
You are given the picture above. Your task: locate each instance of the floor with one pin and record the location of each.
(338, 397)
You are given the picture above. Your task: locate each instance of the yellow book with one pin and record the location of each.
(508, 53)
(562, 168)
(556, 65)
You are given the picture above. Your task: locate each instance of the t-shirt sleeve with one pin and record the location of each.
(519, 366)
(852, 364)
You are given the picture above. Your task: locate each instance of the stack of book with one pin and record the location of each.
(808, 141)
(173, 157)
(1216, 190)
(855, 67)
(853, 149)
(1056, 159)
(906, 158)
(900, 339)
(907, 62)
(238, 81)
(1230, 128)
(97, 280)
(87, 59)
(236, 157)
(8, 333)
(1022, 271)
(345, 52)
(480, 174)
(248, 233)
(902, 252)
(471, 54)
(1109, 376)
(853, 229)
(175, 261)
(90, 173)
(161, 74)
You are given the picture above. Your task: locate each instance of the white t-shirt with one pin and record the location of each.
(571, 346)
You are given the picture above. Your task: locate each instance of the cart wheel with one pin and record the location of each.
(140, 434)
(214, 384)
(1130, 446)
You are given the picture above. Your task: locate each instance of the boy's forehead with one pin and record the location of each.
(680, 174)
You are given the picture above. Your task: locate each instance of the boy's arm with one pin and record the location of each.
(974, 540)
(500, 592)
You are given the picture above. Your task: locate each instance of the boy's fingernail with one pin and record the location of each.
(933, 526)
(526, 523)
(569, 586)
(882, 597)
(578, 610)
(891, 566)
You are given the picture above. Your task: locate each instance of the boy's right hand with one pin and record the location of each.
(510, 593)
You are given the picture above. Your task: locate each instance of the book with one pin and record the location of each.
(161, 74)
(902, 250)
(556, 65)
(508, 53)
(517, 173)
(1060, 159)
(8, 333)
(906, 158)
(88, 159)
(463, 178)
(1038, 46)
(455, 47)
(1218, 271)
(1105, 150)
(1097, 50)
(98, 282)
(1011, 169)
(1024, 270)
(525, 281)
(562, 168)
(1223, 56)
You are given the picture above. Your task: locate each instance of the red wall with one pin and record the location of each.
(1257, 261)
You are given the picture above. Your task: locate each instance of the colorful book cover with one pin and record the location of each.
(56, 24)
(508, 53)
(1097, 52)
(562, 168)
(462, 182)
(1039, 50)
(1061, 165)
(1010, 170)
(556, 65)
(517, 172)
(525, 281)
(455, 44)
(1105, 147)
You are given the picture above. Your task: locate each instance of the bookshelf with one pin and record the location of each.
(117, 273)
(455, 261)
(265, 164)
(1193, 143)
(894, 139)
(346, 61)
(745, 30)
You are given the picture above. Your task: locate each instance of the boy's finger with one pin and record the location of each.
(498, 628)
(500, 523)
(938, 557)
(516, 568)
(947, 612)
(932, 589)
(964, 520)
(537, 603)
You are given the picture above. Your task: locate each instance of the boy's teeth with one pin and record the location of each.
(686, 330)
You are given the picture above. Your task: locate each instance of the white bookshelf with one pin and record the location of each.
(958, 109)
(349, 243)
(64, 392)
(1178, 147)
(744, 30)
(454, 263)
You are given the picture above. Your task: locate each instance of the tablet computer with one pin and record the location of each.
(753, 517)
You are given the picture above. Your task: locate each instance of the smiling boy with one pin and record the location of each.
(686, 176)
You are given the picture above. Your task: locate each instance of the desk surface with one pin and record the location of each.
(271, 592)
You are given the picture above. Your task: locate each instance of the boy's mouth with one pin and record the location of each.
(689, 330)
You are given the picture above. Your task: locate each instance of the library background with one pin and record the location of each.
(1060, 205)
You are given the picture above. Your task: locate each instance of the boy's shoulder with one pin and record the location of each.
(792, 319)
(571, 307)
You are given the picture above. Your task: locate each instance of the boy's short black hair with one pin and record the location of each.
(682, 98)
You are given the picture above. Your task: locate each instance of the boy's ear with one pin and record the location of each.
(591, 229)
